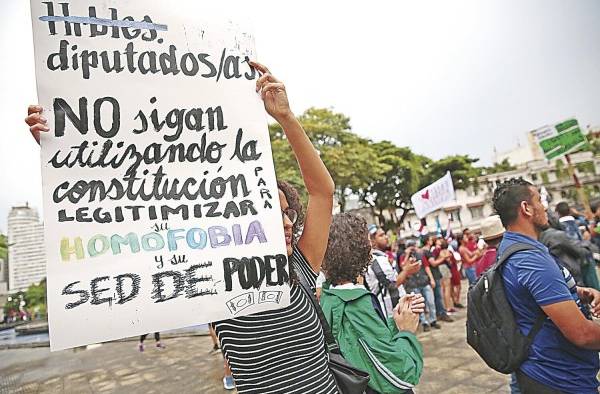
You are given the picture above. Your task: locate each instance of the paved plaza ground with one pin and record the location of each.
(186, 366)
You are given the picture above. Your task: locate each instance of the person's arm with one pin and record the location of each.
(441, 258)
(467, 256)
(318, 182)
(544, 280)
(426, 262)
(573, 325)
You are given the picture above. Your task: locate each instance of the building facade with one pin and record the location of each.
(475, 203)
(26, 256)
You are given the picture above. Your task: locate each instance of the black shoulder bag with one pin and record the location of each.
(350, 380)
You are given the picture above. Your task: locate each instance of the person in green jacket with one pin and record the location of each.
(386, 348)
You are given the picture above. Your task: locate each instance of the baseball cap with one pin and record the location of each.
(373, 229)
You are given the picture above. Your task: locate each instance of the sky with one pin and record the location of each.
(442, 77)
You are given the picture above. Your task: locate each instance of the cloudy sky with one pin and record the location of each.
(443, 77)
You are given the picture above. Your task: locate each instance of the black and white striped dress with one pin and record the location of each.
(279, 351)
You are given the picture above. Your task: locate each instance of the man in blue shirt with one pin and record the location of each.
(564, 353)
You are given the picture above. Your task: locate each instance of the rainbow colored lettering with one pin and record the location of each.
(195, 238)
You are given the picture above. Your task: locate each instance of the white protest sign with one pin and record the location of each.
(434, 196)
(160, 200)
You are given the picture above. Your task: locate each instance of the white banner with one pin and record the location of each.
(160, 200)
(434, 196)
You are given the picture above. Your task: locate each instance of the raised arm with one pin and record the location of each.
(318, 182)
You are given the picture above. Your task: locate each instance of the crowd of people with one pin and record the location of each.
(375, 294)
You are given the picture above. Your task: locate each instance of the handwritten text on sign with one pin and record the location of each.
(160, 200)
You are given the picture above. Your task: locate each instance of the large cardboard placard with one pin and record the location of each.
(160, 200)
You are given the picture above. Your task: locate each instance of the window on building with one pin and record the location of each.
(454, 215)
(534, 176)
(476, 212)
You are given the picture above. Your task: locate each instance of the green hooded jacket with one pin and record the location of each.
(393, 359)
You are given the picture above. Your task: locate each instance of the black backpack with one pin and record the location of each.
(491, 327)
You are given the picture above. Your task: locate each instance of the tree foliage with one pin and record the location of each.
(464, 173)
(34, 299)
(392, 190)
(350, 159)
(3, 247)
(383, 175)
(503, 166)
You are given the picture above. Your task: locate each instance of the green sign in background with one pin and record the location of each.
(568, 140)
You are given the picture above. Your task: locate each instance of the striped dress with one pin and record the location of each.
(280, 351)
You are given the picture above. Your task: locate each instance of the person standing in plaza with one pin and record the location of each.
(441, 253)
(563, 357)
(421, 282)
(492, 232)
(432, 254)
(468, 255)
(385, 347)
(382, 278)
(571, 226)
(159, 345)
(283, 350)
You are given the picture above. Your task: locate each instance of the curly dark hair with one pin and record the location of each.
(348, 249)
(293, 199)
(508, 197)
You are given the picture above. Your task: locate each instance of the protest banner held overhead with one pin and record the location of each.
(160, 200)
(560, 139)
(434, 196)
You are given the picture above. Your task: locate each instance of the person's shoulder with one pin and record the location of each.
(382, 259)
(532, 256)
(298, 261)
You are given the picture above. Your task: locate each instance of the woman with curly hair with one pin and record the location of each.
(386, 348)
(280, 351)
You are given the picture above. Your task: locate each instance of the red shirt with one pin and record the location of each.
(486, 261)
(471, 245)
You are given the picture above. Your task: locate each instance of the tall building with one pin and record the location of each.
(26, 256)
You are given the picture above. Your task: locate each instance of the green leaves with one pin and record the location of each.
(383, 175)
(3, 247)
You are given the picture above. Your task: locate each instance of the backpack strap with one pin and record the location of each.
(330, 342)
(381, 278)
(512, 249)
(537, 326)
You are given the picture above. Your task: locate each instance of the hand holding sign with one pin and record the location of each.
(273, 94)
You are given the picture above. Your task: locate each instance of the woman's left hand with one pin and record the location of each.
(273, 94)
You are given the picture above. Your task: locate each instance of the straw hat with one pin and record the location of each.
(491, 227)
